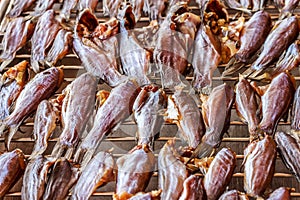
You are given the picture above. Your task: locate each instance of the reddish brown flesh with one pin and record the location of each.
(259, 166)
(219, 173)
(281, 193)
(192, 188)
(12, 167)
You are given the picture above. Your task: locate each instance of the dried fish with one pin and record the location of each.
(183, 110)
(247, 106)
(134, 58)
(4, 6)
(295, 112)
(206, 58)
(259, 165)
(289, 59)
(68, 6)
(44, 34)
(289, 148)
(137, 6)
(94, 59)
(155, 8)
(77, 108)
(12, 167)
(173, 46)
(44, 124)
(115, 109)
(253, 35)
(288, 8)
(60, 47)
(281, 193)
(171, 172)
(216, 111)
(233, 195)
(41, 87)
(276, 43)
(146, 110)
(153, 195)
(276, 101)
(134, 170)
(20, 6)
(35, 178)
(219, 173)
(62, 178)
(18, 32)
(11, 84)
(192, 188)
(97, 173)
(42, 6)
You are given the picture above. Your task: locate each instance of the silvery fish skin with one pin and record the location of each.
(11, 84)
(135, 170)
(134, 58)
(295, 112)
(216, 112)
(12, 167)
(62, 178)
(35, 178)
(137, 6)
(219, 173)
(42, 6)
(289, 59)
(233, 195)
(171, 172)
(77, 108)
(281, 193)
(68, 6)
(259, 165)
(183, 110)
(18, 32)
(277, 41)
(253, 35)
(206, 58)
(172, 49)
(97, 173)
(146, 109)
(115, 109)
(276, 101)
(289, 148)
(60, 47)
(192, 188)
(94, 59)
(110, 8)
(44, 34)
(87, 4)
(247, 105)
(19, 6)
(44, 124)
(41, 87)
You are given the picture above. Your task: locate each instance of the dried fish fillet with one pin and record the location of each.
(63, 176)
(295, 112)
(11, 84)
(219, 173)
(289, 148)
(150, 101)
(135, 170)
(12, 167)
(35, 178)
(44, 124)
(68, 6)
(97, 173)
(171, 172)
(183, 110)
(60, 47)
(259, 166)
(18, 32)
(42, 6)
(110, 8)
(233, 195)
(20, 6)
(87, 4)
(192, 188)
(44, 34)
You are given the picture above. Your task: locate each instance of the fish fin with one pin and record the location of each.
(12, 132)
